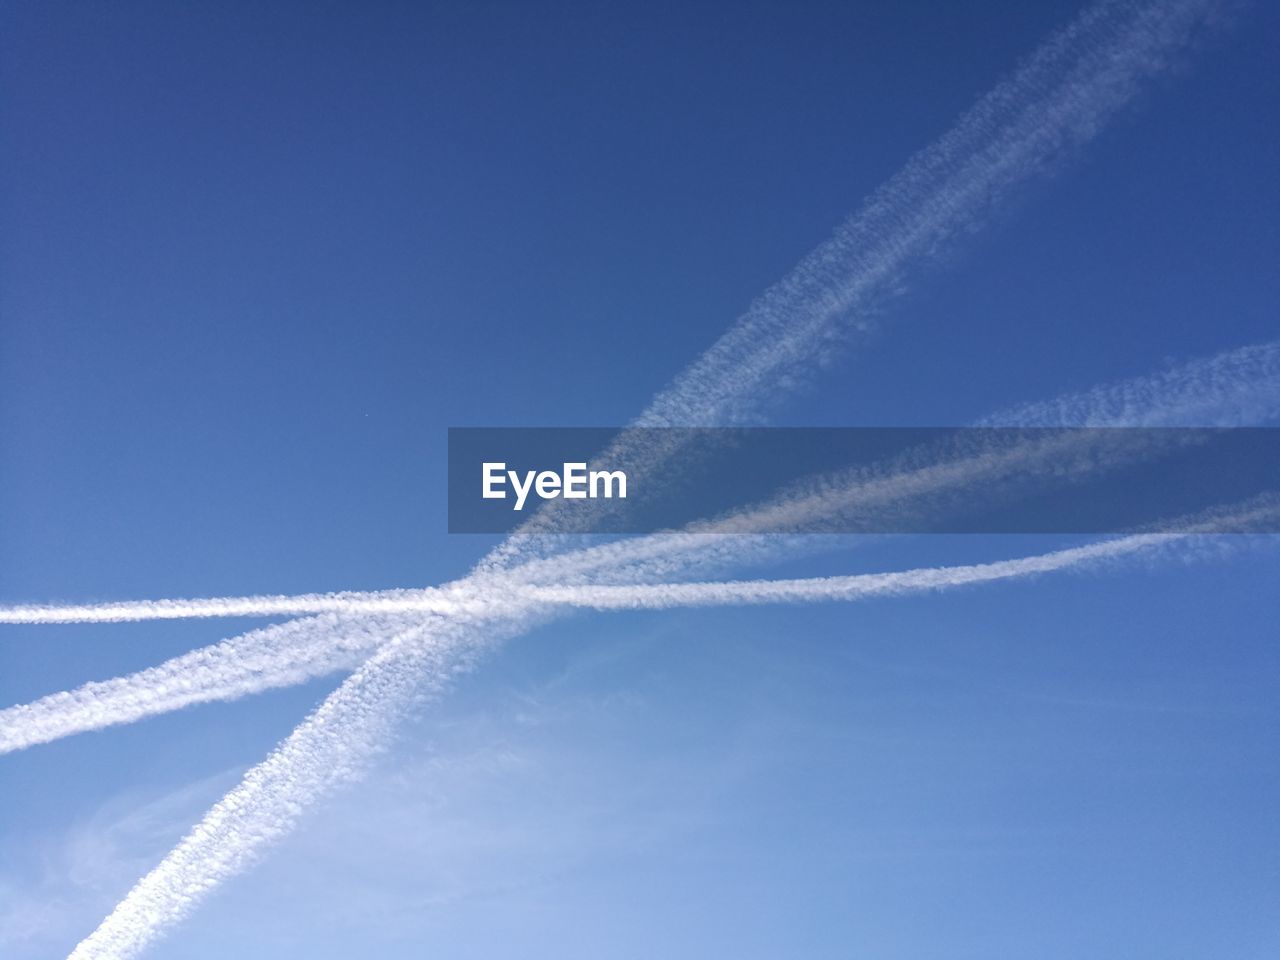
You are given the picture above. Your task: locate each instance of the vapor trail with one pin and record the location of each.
(1232, 388)
(277, 656)
(1057, 101)
(845, 588)
(334, 745)
(386, 602)
(1013, 133)
(301, 650)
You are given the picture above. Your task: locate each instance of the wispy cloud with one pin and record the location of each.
(49, 884)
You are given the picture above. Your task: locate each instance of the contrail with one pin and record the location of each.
(427, 600)
(335, 744)
(1232, 388)
(299, 650)
(458, 599)
(277, 656)
(853, 587)
(1056, 102)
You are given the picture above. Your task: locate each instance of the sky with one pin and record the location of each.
(258, 258)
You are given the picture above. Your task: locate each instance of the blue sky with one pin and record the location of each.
(257, 261)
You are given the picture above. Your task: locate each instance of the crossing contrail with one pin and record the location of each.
(1056, 102)
(1025, 128)
(299, 650)
(1235, 387)
(1232, 388)
(335, 744)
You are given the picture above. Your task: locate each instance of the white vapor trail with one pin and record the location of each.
(1232, 388)
(276, 656)
(427, 600)
(1240, 386)
(861, 586)
(1235, 387)
(300, 650)
(335, 744)
(1057, 101)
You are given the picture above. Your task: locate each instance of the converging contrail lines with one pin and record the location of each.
(415, 641)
